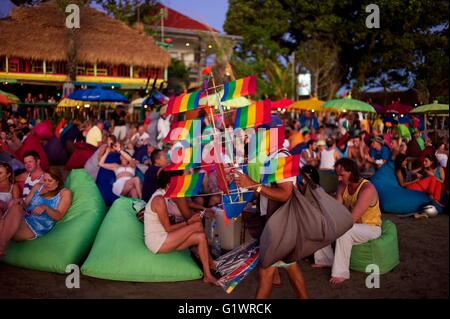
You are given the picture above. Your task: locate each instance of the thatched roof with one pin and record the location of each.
(39, 33)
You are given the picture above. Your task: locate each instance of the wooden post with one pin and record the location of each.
(6, 64)
(95, 69)
(131, 71)
(44, 67)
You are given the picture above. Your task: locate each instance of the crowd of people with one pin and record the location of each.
(350, 147)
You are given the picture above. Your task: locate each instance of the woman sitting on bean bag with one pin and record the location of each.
(126, 184)
(8, 189)
(36, 215)
(163, 237)
(422, 179)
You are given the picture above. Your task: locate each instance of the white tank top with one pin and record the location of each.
(152, 224)
(303, 160)
(122, 169)
(327, 159)
(29, 184)
(6, 196)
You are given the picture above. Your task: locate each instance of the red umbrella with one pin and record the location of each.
(4, 100)
(282, 104)
(397, 107)
(379, 108)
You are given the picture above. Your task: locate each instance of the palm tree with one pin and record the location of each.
(281, 79)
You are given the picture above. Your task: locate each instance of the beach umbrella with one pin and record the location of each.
(11, 98)
(98, 95)
(282, 104)
(348, 104)
(378, 108)
(312, 104)
(432, 108)
(397, 107)
(4, 100)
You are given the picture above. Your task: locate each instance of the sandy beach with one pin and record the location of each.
(423, 273)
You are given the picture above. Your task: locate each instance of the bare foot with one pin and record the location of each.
(319, 266)
(337, 280)
(210, 280)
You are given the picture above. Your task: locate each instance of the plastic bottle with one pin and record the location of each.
(213, 231)
(216, 249)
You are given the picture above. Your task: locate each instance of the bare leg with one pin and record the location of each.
(133, 193)
(199, 239)
(176, 238)
(297, 281)
(138, 186)
(276, 278)
(10, 225)
(212, 262)
(265, 282)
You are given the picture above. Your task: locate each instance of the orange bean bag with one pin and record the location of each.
(33, 143)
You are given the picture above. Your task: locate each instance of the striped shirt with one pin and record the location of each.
(29, 183)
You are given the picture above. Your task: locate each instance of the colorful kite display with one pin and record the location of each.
(253, 115)
(185, 185)
(238, 88)
(281, 168)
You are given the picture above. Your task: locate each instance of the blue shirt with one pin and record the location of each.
(383, 154)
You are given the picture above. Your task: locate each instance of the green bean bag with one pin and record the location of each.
(382, 251)
(119, 252)
(71, 238)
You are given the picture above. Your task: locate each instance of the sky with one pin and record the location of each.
(211, 12)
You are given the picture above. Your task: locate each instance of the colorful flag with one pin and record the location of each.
(281, 168)
(238, 88)
(253, 115)
(184, 130)
(266, 141)
(183, 157)
(185, 185)
(183, 103)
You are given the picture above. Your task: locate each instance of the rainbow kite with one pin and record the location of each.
(185, 185)
(281, 168)
(253, 115)
(183, 103)
(184, 130)
(183, 157)
(238, 88)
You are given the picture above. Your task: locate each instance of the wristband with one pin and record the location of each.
(258, 190)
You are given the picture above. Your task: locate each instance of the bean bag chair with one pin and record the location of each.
(16, 165)
(106, 178)
(394, 198)
(91, 165)
(119, 252)
(43, 130)
(81, 154)
(71, 238)
(55, 152)
(140, 153)
(382, 251)
(33, 143)
(69, 138)
(328, 181)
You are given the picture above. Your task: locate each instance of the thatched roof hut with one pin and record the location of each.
(40, 33)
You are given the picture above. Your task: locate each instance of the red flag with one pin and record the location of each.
(207, 70)
(221, 181)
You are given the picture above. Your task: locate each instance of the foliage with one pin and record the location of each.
(131, 11)
(178, 75)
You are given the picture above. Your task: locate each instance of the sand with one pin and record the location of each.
(423, 273)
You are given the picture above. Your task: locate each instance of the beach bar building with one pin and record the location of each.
(35, 46)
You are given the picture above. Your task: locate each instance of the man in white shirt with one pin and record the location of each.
(141, 137)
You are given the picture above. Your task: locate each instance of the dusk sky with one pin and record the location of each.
(212, 12)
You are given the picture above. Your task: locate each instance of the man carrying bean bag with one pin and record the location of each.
(55, 152)
(106, 178)
(71, 238)
(33, 143)
(81, 154)
(394, 198)
(119, 252)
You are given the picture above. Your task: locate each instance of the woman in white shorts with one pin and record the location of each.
(126, 184)
(163, 237)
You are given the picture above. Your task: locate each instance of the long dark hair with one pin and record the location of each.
(55, 173)
(349, 165)
(399, 159)
(433, 159)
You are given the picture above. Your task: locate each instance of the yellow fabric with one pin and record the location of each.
(373, 214)
(365, 125)
(94, 136)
